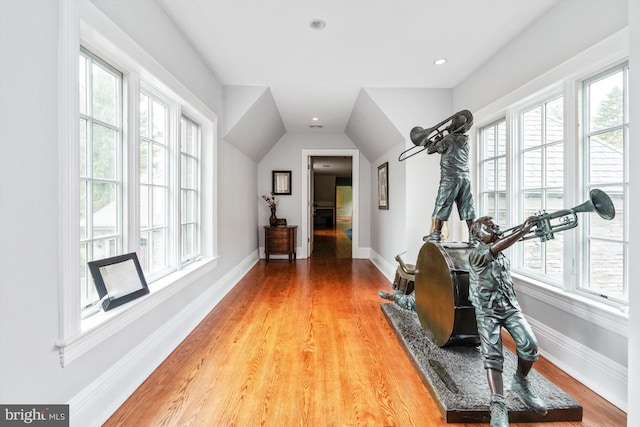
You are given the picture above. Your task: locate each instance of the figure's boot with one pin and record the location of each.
(521, 386)
(499, 413)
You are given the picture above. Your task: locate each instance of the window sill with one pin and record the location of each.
(611, 318)
(101, 326)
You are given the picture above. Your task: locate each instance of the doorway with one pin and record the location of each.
(332, 206)
(331, 203)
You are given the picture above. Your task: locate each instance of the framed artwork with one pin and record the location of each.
(383, 186)
(118, 279)
(281, 182)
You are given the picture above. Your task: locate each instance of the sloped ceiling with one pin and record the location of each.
(370, 129)
(252, 122)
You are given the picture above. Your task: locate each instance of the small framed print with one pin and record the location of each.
(383, 186)
(118, 279)
(281, 182)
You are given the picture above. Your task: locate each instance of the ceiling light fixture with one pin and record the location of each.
(440, 61)
(317, 24)
(315, 119)
(315, 126)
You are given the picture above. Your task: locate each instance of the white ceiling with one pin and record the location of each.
(374, 43)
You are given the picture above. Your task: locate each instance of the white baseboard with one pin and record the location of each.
(602, 375)
(98, 401)
(385, 267)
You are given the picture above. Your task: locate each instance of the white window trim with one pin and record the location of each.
(81, 22)
(599, 57)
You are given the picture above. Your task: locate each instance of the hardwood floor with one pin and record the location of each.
(306, 344)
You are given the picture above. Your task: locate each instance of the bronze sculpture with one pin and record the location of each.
(455, 181)
(491, 293)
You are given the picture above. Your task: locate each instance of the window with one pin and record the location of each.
(541, 161)
(190, 248)
(154, 184)
(100, 166)
(165, 210)
(606, 145)
(493, 171)
(109, 89)
(533, 162)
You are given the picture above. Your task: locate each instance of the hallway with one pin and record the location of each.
(305, 343)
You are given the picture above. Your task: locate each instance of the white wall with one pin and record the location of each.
(30, 369)
(412, 205)
(287, 155)
(587, 342)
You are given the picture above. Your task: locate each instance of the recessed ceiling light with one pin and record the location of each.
(317, 24)
(440, 61)
(315, 126)
(315, 119)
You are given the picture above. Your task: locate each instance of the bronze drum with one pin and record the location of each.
(442, 294)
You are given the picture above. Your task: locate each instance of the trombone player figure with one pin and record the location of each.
(455, 182)
(491, 293)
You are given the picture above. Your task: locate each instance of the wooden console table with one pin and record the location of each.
(280, 240)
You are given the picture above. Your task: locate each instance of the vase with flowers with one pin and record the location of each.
(272, 201)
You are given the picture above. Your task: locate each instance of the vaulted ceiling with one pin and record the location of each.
(280, 73)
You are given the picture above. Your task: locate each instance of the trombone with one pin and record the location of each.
(424, 138)
(565, 219)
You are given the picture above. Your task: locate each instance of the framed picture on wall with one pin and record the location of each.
(383, 186)
(281, 182)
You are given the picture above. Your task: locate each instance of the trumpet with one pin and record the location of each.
(424, 138)
(566, 219)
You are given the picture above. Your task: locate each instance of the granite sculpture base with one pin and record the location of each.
(456, 378)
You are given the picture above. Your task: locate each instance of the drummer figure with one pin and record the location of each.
(491, 293)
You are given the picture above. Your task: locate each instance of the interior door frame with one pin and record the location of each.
(307, 209)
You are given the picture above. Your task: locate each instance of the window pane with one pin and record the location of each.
(532, 128)
(84, 198)
(606, 268)
(554, 122)
(159, 250)
(532, 169)
(502, 173)
(159, 122)
(554, 257)
(189, 166)
(532, 203)
(105, 209)
(82, 149)
(190, 138)
(489, 175)
(159, 207)
(82, 89)
(144, 206)
(606, 159)
(613, 229)
(144, 115)
(189, 206)
(189, 241)
(606, 102)
(144, 162)
(105, 152)
(554, 165)
(502, 138)
(533, 255)
(489, 203)
(105, 95)
(488, 142)
(502, 207)
(159, 164)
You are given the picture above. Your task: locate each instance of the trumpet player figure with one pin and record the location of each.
(491, 293)
(455, 182)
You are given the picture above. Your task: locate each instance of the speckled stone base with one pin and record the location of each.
(456, 378)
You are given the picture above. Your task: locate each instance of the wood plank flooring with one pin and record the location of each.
(305, 344)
